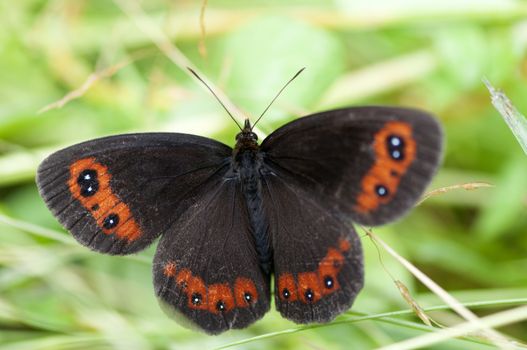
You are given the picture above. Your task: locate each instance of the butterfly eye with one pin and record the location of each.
(248, 297)
(196, 298)
(381, 190)
(285, 293)
(328, 282)
(395, 145)
(253, 136)
(88, 182)
(220, 305)
(110, 221)
(309, 295)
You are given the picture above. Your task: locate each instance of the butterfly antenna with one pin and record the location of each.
(214, 94)
(278, 94)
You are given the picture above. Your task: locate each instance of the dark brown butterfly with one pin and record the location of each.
(229, 219)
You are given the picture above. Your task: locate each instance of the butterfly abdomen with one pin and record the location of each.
(248, 165)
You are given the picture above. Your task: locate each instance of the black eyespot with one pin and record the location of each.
(328, 282)
(248, 297)
(336, 263)
(309, 295)
(110, 221)
(395, 145)
(381, 191)
(395, 141)
(220, 305)
(88, 182)
(196, 298)
(394, 173)
(285, 293)
(95, 207)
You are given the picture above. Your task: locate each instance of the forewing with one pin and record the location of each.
(318, 264)
(370, 164)
(117, 194)
(206, 270)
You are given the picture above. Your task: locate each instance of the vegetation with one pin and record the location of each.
(125, 67)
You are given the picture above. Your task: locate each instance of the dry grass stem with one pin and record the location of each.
(413, 304)
(494, 320)
(467, 186)
(90, 81)
(498, 339)
(202, 45)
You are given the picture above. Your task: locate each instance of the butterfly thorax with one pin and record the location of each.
(247, 165)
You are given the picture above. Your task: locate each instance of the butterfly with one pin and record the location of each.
(230, 219)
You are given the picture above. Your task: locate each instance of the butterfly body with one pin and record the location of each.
(230, 219)
(248, 167)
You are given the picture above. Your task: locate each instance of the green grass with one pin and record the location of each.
(55, 294)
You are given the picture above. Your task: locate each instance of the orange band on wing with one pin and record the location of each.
(311, 286)
(215, 298)
(89, 183)
(395, 150)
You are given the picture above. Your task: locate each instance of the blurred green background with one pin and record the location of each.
(55, 294)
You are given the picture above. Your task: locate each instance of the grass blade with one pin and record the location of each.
(514, 119)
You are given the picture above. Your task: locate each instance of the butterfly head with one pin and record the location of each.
(246, 138)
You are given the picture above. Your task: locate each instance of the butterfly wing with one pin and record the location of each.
(206, 270)
(367, 164)
(317, 257)
(117, 194)
(370, 164)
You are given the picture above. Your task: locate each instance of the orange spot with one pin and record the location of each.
(334, 258)
(286, 281)
(330, 267)
(183, 278)
(241, 287)
(104, 200)
(344, 245)
(196, 288)
(170, 269)
(220, 293)
(386, 171)
(327, 273)
(192, 286)
(309, 284)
